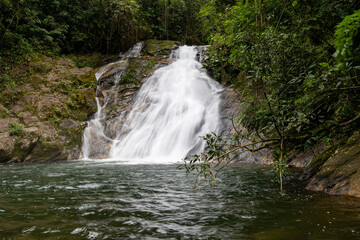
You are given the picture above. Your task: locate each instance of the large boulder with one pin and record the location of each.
(113, 72)
(7, 146)
(337, 170)
(7, 140)
(155, 47)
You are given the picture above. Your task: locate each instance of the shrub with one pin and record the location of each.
(15, 129)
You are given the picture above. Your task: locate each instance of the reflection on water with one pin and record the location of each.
(90, 200)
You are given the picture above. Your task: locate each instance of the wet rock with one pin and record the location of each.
(159, 47)
(337, 170)
(230, 107)
(114, 126)
(100, 147)
(303, 159)
(201, 55)
(113, 74)
(47, 151)
(7, 146)
(99, 94)
(74, 153)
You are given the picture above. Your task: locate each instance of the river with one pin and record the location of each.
(113, 200)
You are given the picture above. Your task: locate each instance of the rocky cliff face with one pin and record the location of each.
(337, 170)
(43, 108)
(230, 108)
(118, 84)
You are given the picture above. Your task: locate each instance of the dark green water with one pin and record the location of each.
(89, 200)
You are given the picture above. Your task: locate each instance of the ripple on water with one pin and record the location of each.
(78, 230)
(90, 186)
(97, 201)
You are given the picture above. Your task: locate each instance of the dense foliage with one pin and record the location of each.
(175, 19)
(297, 64)
(109, 26)
(58, 26)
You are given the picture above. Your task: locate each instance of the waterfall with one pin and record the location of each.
(172, 109)
(94, 132)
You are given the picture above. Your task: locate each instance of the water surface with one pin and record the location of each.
(108, 200)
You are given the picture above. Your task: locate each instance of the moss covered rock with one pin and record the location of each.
(155, 47)
(41, 95)
(337, 170)
(113, 74)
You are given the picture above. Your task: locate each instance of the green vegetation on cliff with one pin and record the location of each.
(297, 63)
(43, 105)
(297, 67)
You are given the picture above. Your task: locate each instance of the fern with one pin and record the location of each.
(345, 36)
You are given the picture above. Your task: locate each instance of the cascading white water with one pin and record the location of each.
(175, 106)
(94, 132)
(95, 129)
(133, 52)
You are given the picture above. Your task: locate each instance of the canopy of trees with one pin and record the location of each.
(298, 60)
(108, 26)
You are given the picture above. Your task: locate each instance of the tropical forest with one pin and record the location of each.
(180, 119)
